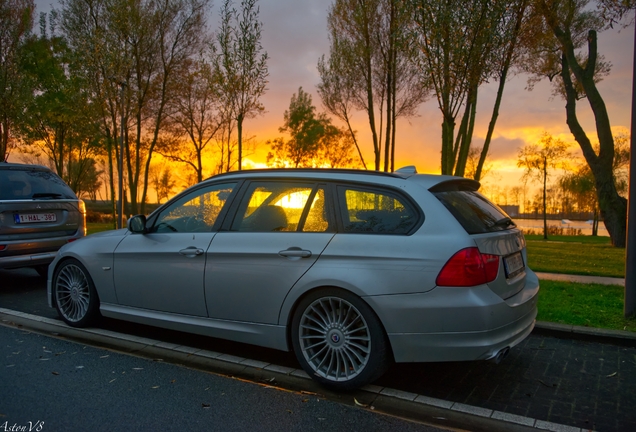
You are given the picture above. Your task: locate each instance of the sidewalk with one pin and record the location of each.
(581, 279)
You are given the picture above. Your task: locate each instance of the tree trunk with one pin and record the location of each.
(389, 117)
(613, 207)
(111, 181)
(491, 125)
(502, 82)
(467, 135)
(448, 128)
(239, 130)
(4, 140)
(545, 196)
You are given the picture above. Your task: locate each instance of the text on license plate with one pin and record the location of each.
(23, 218)
(514, 264)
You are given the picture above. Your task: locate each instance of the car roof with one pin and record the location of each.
(426, 181)
(19, 166)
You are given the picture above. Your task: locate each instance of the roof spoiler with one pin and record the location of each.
(456, 184)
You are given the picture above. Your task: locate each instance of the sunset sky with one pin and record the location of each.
(295, 36)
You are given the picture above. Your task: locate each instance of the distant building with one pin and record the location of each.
(511, 210)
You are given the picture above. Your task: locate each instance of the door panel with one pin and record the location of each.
(248, 275)
(162, 272)
(163, 269)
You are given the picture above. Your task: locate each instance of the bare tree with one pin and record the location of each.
(456, 40)
(196, 120)
(142, 46)
(16, 20)
(371, 68)
(241, 63)
(573, 26)
(538, 160)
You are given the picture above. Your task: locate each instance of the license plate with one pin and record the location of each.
(24, 218)
(513, 264)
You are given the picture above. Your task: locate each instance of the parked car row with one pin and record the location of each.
(349, 269)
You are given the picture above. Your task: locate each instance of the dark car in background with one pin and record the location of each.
(39, 214)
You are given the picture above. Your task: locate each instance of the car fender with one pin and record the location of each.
(96, 253)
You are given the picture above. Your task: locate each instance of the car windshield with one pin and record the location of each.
(32, 184)
(474, 211)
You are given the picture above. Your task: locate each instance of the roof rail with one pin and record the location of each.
(309, 170)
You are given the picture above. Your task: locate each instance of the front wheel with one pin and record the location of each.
(74, 294)
(338, 340)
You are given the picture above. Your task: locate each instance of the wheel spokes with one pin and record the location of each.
(335, 339)
(72, 293)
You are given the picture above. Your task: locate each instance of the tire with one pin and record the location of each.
(338, 340)
(74, 294)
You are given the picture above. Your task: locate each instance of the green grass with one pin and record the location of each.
(93, 228)
(589, 305)
(586, 239)
(588, 256)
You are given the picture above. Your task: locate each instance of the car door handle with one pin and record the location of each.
(191, 251)
(295, 252)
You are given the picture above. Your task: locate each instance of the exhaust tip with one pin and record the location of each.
(502, 354)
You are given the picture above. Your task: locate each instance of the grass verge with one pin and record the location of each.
(586, 257)
(589, 305)
(585, 239)
(92, 228)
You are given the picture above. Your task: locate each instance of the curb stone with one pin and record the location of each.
(384, 400)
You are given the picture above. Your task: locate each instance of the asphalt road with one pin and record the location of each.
(575, 383)
(50, 384)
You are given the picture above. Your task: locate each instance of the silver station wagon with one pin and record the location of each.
(351, 270)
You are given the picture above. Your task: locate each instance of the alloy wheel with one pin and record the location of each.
(335, 339)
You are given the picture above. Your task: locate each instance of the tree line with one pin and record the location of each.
(140, 78)
(152, 76)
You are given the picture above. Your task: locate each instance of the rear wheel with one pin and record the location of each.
(74, 294)
(338, 340)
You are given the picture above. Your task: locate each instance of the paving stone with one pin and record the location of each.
(554, 427)
(512, 418)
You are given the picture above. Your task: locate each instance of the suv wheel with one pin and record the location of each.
(338, 340)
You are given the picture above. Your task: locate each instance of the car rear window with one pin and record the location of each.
(32, 184)
(474, 211)
(367, 211)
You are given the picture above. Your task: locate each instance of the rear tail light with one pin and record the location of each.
(82, 209)
(469, 267)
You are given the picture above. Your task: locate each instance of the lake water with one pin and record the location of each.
(584, 226)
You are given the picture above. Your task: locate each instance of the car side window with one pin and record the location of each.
(280, 207)
(375, 212)
(195, 212)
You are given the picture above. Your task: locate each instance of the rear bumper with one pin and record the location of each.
(456, 324)
(29, 253)
(29, 260)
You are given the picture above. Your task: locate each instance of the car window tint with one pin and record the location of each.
(32, 184)
(272, 206)
(376, 212)
(195, 212)
(474, 211)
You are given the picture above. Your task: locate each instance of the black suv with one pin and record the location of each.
(39, 214)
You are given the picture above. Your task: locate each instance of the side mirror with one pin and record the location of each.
(137, 224)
